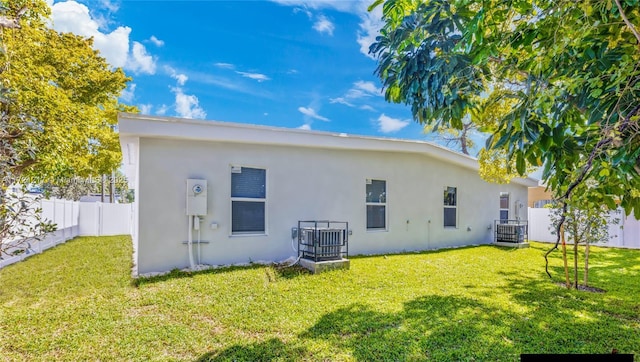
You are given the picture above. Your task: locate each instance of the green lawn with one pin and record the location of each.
(78, 302)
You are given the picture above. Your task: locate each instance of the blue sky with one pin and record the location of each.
(287, 63)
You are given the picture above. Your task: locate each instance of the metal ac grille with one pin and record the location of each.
(322, 240)
(511, 231)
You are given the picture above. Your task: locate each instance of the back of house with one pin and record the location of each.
(237, 191)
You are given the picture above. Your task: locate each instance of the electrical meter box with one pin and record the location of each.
(196, 197)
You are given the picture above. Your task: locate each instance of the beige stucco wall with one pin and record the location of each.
(538, 193)
(306, 184)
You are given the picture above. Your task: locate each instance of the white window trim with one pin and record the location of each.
(250, 199)
(452, 207)
(385, 204)
(507, 209)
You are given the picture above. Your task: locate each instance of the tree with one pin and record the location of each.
(453, 137)
(64, 99)
(20, 220)
(58, 104)
(76, 187)
(569, 70)
(584, 224)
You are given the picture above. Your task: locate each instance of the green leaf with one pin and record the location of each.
(520, 164)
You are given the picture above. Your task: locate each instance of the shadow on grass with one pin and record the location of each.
(436, 327)
(535, 317)
(284, 271)
(272, 271)
(180, 274)
(430, 327)
(269, 350)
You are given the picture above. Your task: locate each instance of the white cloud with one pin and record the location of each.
(311, 113)
(370, 22)
(362, 89)
(180, 78)
(157, 42)
(225, 65)
(368, 87)
(340, 5)
(370, 25)
(323, 25)
(256, 76)
(306, 127)
(140, 61)
(187, 105)
(73, 17)
(265, 114)
(387, 124)
(367, 107)
(128, 94)
(112, 6)
(162, 110)
(145, 108)
(300, 9)
(340, 100)
(228, 83)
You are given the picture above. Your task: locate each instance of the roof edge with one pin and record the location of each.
(131, 124)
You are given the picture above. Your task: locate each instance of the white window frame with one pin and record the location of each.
(455, 207)
(379, 203)
(507, 209)
(248, 199)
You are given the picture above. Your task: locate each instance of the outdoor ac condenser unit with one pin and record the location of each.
(325, 243)
(510, 233)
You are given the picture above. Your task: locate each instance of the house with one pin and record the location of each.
(539, 196)
(248, 186)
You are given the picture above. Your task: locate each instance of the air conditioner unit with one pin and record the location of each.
(322, 240)
(511, 233)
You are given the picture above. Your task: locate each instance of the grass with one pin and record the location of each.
(78, 302)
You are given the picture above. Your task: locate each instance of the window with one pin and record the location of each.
(450, 207)
(248, 199)
(376, 200)
(504, 206)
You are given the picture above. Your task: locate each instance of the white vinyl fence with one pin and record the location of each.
(72, 219)
(624, 234)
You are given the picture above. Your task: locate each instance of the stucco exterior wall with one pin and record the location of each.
(306, 184)
(538, 193)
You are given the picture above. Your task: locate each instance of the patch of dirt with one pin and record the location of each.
(584, 288)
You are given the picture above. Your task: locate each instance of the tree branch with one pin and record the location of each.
(12, 23)
(626, 21)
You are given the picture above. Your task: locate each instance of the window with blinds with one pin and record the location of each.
(248, 200)
(450, 207)
(504, 206)
(376, 201)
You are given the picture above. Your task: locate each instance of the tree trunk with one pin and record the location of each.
(463, 139)
(564, 258)
(586, 264)
(112, 187)
(103, 187)
(463, 145)
(575, 262)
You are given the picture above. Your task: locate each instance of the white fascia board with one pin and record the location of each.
(198, 130)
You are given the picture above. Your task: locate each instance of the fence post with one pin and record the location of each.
(100, 219)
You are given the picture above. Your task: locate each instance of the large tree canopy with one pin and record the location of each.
(60, 98)
(559, 81)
